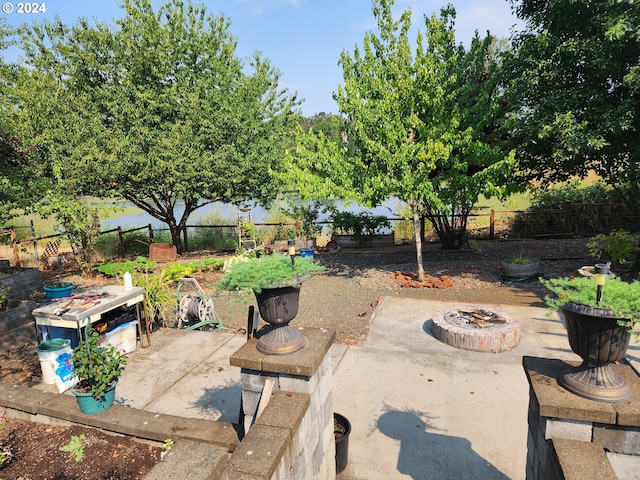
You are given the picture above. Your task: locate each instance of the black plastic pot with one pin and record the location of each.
(342, 443)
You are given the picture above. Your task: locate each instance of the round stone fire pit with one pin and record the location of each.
(476, 328)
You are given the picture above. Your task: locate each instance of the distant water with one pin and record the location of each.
(226, 211)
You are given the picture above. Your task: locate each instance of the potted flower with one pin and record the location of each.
(97, 370)
(599, 319)
(275, 281)
(519, 268)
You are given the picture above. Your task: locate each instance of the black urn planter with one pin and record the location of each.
(594, 334)
(278, 306)
(342, 440)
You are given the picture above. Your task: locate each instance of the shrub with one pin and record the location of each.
(264, 272)
(620, 246)
(221, 235)
(588, 216)
(360, 224)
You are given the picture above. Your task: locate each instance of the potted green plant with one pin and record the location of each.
(97, 370)
(600, 318)
(519, 268)
(341, 432)
(306, 218)
(275, 281)
(619, 246)
(58, 289)
(359, 229)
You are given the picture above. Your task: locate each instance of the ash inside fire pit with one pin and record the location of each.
(475, 328)
(478, 318)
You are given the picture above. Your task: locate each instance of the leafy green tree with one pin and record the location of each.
(574, 89)
(158, 109)
(22, 184)
(326, 123)
(422, 126)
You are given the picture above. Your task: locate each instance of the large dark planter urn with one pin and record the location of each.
(278, 306)
(594, 334)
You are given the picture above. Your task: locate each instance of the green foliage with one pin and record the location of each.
(619, 245)
(79, 221)
(361, 224)
(4, 294)
(267, 271)
(176, 271)
(156, 108)
(5, 455)
(206, 264)
(571, 115)
(331, 126)
(280, 228)
(5, 450)
(222, 237)
(24, 180)
(75, 447)
(168, 444)
(135, 243)
(623, 299)
(306, 216)
(157, 293)
(519, 260)
(422, 124)
(586, 217)
(112, 269)
(97, 368)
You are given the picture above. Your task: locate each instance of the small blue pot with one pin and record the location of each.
(64, 290)
(306, 253)
(90, 405)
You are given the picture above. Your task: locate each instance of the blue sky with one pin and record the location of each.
(302, 38)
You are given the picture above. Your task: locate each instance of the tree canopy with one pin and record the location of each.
(158, 109)
(421, 125)
(21, 182)
(574, 89)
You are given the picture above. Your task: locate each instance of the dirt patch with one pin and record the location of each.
(34, 453)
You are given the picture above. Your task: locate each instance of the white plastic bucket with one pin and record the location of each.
(48, 352)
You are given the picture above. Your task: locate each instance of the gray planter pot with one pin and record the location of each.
(521, 271)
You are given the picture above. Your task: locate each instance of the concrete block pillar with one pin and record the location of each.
(307, 371)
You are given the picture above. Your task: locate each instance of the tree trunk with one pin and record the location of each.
(418, 237)
(175, 236)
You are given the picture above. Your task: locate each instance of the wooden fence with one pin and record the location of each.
(573, 219)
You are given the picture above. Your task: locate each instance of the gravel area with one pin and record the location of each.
(345, 296)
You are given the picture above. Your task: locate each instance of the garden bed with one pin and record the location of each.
(35, 453)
